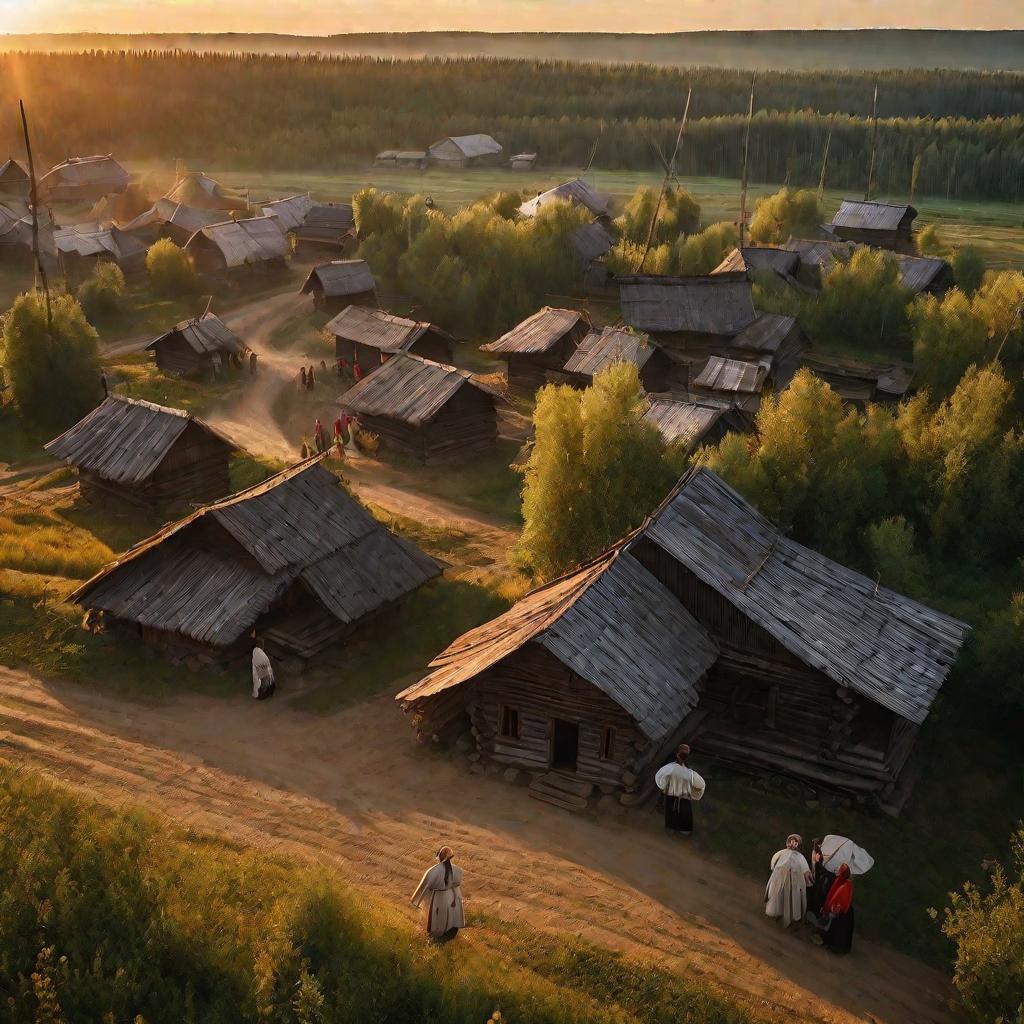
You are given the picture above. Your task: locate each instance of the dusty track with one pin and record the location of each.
(354, 789)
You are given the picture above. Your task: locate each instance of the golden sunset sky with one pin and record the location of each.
(305, 17)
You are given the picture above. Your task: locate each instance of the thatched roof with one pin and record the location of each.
(211, 575)
(409, 389)
(378, 329)
(167, 211)
(470, 145)
(575, 191)
(124, 440)
(880, 644)
(732, 376)
(765, 334)
(340, 277)
(290, 212)
(86, 172)
(205, 335)
(720, 304)
(863, 215)
(613, 624)
(601, 349)
(255, 240)
(685, 423)
(538, 333)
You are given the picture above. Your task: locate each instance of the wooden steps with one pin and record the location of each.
(561, 790)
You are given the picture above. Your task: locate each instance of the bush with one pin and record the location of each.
(700, 254)
(998, 651)
(929, 243)
(170, 270)
(968, 269)
(54, 375)
(785, 214)
(679, 215)
(890, 545)
(100, 296)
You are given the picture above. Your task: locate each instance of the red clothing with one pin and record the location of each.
(840, 896)
(357, 371)
(338, 427)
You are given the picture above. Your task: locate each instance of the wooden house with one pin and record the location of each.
(424, 409)
(367, 336)
(168, 219)
(883, 225)
(601, 349)
(541, 343)
(295, 559)
(737, 383)
(202, 346)
(79, 247)
(690, 424)
(774, 339)
(83, 178)
(465, 151)
(14, 181)
(237, 245)
(577, 191)
(751, 259)
(201, 192)
(145, 454)
(591, 243)
(16, 235)
(925, 275)
(523, 161)
(290, 212)
(341, 283)
(328, 230)
(858, 382)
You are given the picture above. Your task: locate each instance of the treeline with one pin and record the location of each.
(964, 130)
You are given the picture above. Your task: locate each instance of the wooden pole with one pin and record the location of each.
(824, 159)
(746, 154)
(34, 195)
(874, 141)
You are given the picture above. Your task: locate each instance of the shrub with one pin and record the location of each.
(170, 270)
(700, 254)
(998, 651)
(679, 214)
(100, 296)
(890, 545)
(929, 243)
(968, 269)
(787, 213)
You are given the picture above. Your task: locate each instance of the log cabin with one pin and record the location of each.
(145, 454)
(881, 225)
(328, 231)
(690, 424)
(80, 247)
(367, 336)
(733, 382)
(464, 151)
(237, 245)
(578, 192)
(774, 339)
(601, 349)
(341, 283)
(424, 409)
(83, 178)
(201, 346)
(541, 343)
(296, 560)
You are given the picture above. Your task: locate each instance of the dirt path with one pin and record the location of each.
(354, 788)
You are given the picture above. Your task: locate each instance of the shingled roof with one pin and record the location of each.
(864, 215)
(341, 277)
(732, 375)
(299, 524)
(599, 350)
(125, 439)
(538, 333)
(884, 646)
(246, 241)
(575, 191)
(205, 334)
(685, 423)
(613, 624)
(378, 329)
(765, 334)
(720, 304)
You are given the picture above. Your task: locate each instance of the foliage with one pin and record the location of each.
(101, 295)
(968, 268)
(929, 243)
(679, 214)
(54, 374)
(788, 213)
(597, 434)
(988, 929)
(998, 651)
(170, 269)
(700, 254)
(891, 549)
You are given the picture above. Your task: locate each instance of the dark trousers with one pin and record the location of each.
(678, 815)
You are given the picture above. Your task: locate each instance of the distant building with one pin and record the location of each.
(254, 244)
(576, 191)
(14, 180)
(523, 161)
(202, 192)
(203, 345)
(81, 178)
(341, 283)
(540, 344)
(884, 225)
(368, 336)
(465, 151)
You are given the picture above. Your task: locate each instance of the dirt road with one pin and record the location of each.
(354, 788)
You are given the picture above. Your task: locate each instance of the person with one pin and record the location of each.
(820, 882)
(357, 372)
(318, 436)
(323, 366)
(252, 364)
(340, 364)
(440, 886)
(349, 423)
(105, 383)
(263, 684)
(681, 786)
(339, 434)
(302, 371)
(310, 378)
(836, 922)
(785, 896)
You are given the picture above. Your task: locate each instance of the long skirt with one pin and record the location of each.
(839, 936)
(818, 890)
(444, 919)
(679, 815)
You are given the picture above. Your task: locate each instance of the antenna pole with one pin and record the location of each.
(746, 154)
(824, 159)
(33, 193)
(874, 141)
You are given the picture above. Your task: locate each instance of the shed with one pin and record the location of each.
(465, 151)
(341, 283)
(168, 219)
(887, 225)
(523, 161)
(386, 158)
(751, 258)
(740, 383)
(858, 382)
(688, 424)
(14, 180)
(202, 345)
(328, 230)
(424, 409)
(232, 245)
(81, 246)
(290, 212)
(925, 275)
(541, 343)
(576, 191)
(202, 192)
(81, 178)
(365, 336)
(774, 338)
(145, 454)
(297, 559)
(601, 349)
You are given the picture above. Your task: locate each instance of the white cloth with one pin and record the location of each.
(444, 906)
(785, 896)
(836, 850)
(262, 670)
(677, 780)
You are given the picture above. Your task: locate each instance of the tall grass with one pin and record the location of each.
(41, 543)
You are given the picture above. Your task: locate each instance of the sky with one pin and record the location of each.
(306, 17)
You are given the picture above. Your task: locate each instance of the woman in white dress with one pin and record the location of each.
(262, 673)
(440, 887)
(785, 897)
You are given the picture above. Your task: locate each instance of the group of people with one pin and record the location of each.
(307, 376)
(341, 365)
(344, 436)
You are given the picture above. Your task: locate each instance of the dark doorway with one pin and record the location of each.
(565, 742)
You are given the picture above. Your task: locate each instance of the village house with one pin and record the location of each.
(753, 258)
(540, 344)
(14, 180)
(201, 192)
(858, 382)
(591, 243)
(80, 247)
(689, 424)
(368, 336)
(465, 151)
(290, 212)
(328, 230)
(734, 383)
(233, 245)
(168, 219)
(81, 178)
(709, 626)
(341, 283)
(774, 339)
(201, 346)
(601, 349)
(576, 191)
(882, 225)
(523, 161)
(295, 560)
(424, 409)
(145, 454)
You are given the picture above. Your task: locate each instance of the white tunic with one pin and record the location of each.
(444, 906)
(677, 780)
(786, 894)
(261, 670)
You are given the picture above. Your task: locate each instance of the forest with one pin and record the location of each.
(941, 133)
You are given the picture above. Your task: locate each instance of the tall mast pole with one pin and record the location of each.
(824, 159)
(746, 155)
(34, 195)
(874, 141)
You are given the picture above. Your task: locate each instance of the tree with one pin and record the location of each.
(598, 434)
(999, 644)
(100, 296)
(679, 215)
(700, 254)
(170, 270)
(930, 243)
(891, 549)
(54, 373)
(784, 214)
(948, 336)
(968, 269)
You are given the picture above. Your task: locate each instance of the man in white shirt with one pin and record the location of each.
(681, 786)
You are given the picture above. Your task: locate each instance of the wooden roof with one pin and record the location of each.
(575, 191)
(613, 624)
(205, 335)
(300, 524)
(471, 145)
(12, 171)
(408, 388)
(599, 350)
(719, 304)
(864, 215)
(341, 277)
(918, 273)
(759, 257)
(125, 439)
(378, 329)
(254, 240)
(538, 333)
(83, 171)
(685, 423)
(167, 211)
(884, 646)
(820, 252)
(732, 375)
(765, 334)
(330, 215)
(290, 212)
(591, 241)
(856, 380)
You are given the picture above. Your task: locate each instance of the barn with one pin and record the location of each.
(424, 409)
(202, 346)
(577, 191)
(235, 245)
(884, 225)
(14, 181)
(295, 559)
(168, 219)
(365, 336)
(328, 230)
(341, 283)
(465, 151)
(541, 343)
(81, 178)
(145, 454)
